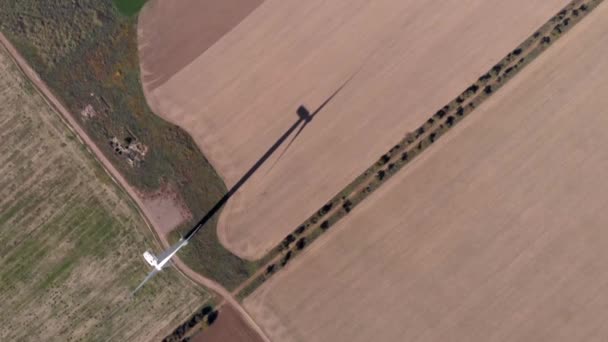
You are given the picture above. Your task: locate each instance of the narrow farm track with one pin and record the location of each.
(416, 142)
(73, 125)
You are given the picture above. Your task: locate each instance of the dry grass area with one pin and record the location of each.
(406, 60)
(495, 233)
(71, 240)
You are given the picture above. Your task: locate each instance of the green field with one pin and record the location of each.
(129, 7)
(86, 51)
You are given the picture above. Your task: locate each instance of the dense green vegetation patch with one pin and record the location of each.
(129, 7)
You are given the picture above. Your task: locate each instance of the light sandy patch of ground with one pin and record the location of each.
(496, 233)
(166, 209)
(406, 59)
(229, 327)
(173, 33)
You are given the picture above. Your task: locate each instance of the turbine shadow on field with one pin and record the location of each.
(304, 116)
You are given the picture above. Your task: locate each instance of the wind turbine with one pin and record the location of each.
(160, 262)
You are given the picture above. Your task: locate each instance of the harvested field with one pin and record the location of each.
(71, 239)
(166, 48)
(238, 97)
(229, 327)
(496, 232)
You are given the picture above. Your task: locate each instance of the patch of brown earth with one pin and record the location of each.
(173, 33)
(229, 327)
(166, 209)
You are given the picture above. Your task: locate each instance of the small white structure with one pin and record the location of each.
(158, 263)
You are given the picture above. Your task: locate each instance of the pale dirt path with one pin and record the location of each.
(73, 125)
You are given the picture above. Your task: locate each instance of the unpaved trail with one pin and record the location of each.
(74, 126)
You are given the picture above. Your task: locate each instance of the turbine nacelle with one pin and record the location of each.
(151, 259)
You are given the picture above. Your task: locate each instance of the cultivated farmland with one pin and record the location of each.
(399, 61)
(497, 232)
(166, 48)
(71, 239)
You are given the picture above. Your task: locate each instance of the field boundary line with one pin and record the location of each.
(414, 143)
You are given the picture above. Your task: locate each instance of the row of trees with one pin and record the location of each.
(207, 314)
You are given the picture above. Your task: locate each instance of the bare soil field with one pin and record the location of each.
(495, 233)
(71, 239)
(166, 48)
(229, 327)
(401, 61)
(166, 210)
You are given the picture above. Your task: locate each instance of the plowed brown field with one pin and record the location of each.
(496, 233)
(173, 33)
(404, 59)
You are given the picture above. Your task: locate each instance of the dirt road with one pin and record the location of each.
(119, 179)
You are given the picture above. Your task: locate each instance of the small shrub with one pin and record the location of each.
(270, 269)
(286, 258)
(485, 77)
(347, 205)
(300, 229)
(212, 317)
(450, 121)
(288, 240)
(384, 159)
(420, 132)
(325, 209)
(301, 243)
(324, 225)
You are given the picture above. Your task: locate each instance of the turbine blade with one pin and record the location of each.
(287, 147)
(148, 277)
